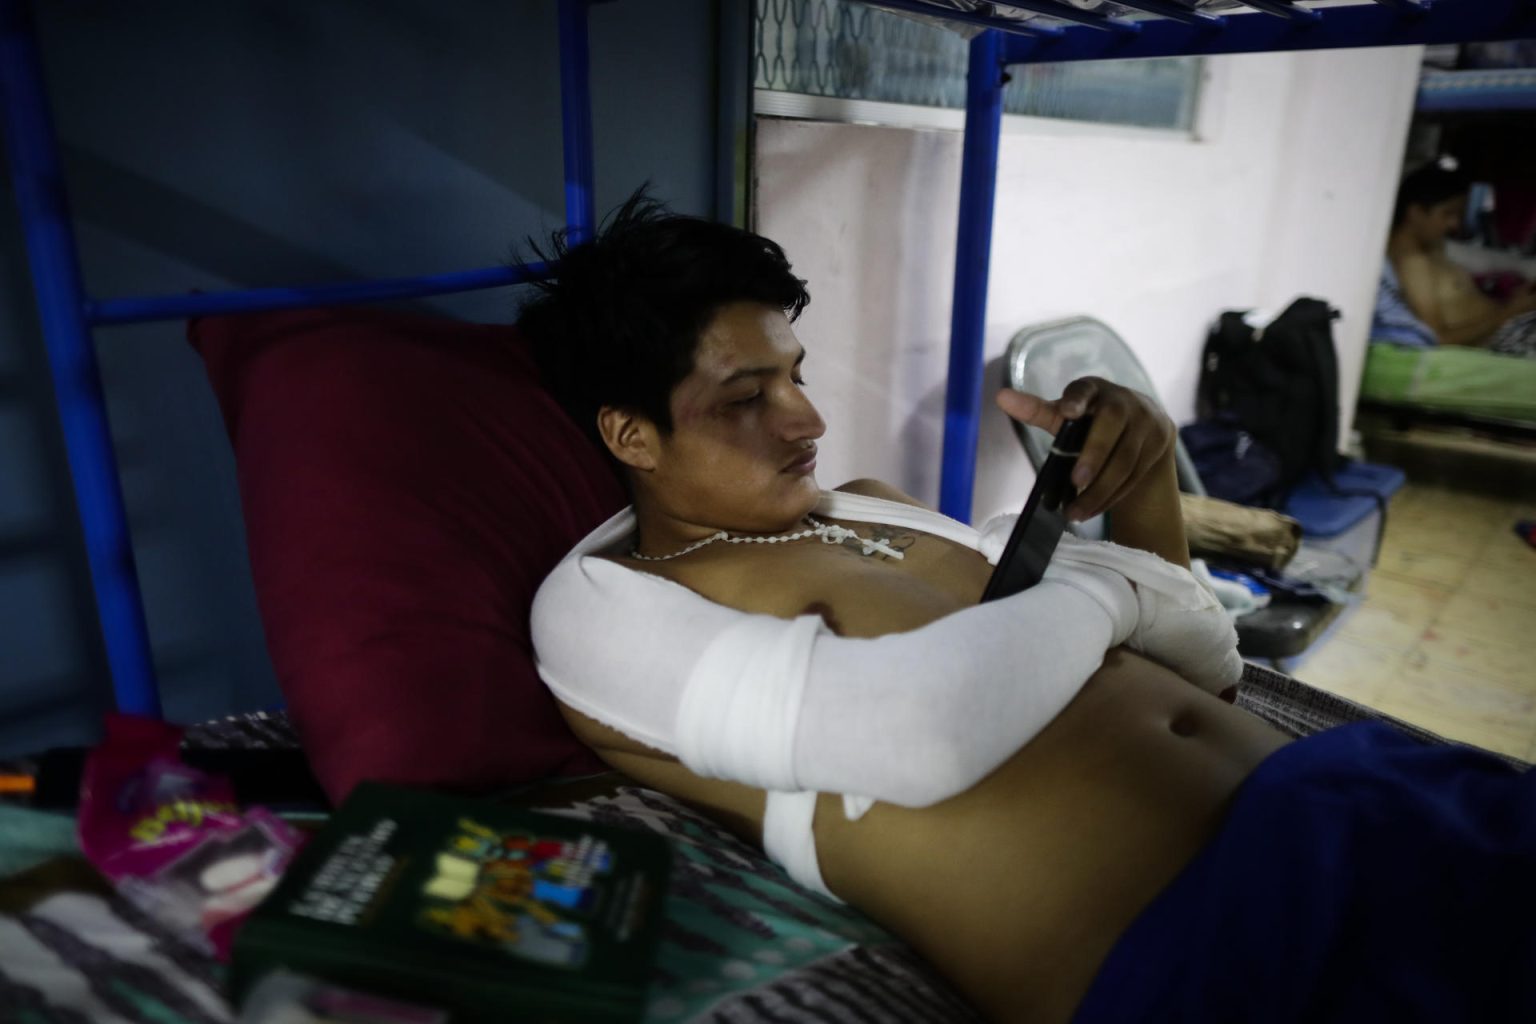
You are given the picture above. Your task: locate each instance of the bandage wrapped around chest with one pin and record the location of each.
(909, 718)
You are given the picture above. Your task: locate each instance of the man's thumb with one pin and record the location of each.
(1027, 408)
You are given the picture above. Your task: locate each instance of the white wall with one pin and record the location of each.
(1285, 188)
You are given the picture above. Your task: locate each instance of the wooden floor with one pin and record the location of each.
(1446, 635)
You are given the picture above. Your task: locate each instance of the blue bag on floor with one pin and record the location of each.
(1233, 464)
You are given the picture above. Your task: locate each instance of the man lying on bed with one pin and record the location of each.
(1427, 299)
(1011, 787)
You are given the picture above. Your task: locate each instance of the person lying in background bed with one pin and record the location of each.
(1425, 298)
(1045, 794)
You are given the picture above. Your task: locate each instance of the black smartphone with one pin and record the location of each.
(1042, 523)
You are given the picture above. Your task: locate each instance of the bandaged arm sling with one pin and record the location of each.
(907, 718)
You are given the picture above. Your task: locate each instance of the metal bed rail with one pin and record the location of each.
(1477, 89)
(67, 313)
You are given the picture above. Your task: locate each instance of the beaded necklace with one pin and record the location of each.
(828, 533)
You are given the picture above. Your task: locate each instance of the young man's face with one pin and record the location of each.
(742, 452)
(1433, 224)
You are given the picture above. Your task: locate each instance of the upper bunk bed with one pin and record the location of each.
(1477, 89)
(1015, 32)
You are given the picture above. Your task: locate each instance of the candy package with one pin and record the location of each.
(172, 839)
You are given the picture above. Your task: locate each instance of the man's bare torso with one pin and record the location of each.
(1017, 888)
(1441, 292)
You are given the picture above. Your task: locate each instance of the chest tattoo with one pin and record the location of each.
(898, 539)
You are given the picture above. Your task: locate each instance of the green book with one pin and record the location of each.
(488, 912)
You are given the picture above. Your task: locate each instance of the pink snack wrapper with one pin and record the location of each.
(172, 839)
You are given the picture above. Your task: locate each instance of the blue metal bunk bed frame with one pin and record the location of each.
(1477, 90)
(68, 313)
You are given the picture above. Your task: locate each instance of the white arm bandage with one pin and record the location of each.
(909, 718)
(1180, 622)
(915, 718)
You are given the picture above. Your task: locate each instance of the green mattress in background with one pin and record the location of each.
(1466, 380)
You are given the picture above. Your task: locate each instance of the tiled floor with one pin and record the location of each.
(1446, 636)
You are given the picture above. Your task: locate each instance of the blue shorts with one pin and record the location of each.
(1360, 876)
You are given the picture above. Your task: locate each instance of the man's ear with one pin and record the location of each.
(630, 436)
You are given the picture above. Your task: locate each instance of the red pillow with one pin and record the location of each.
(407, 485)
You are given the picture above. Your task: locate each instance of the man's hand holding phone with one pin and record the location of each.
(1126, 464)
(1131, 438)
(1027, 553)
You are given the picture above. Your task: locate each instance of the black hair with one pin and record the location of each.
(1428, 186)
(620, 321)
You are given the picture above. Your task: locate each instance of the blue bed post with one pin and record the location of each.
(973, 250)
(576, 120)
(61, 303)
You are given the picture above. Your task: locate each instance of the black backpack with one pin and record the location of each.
(1278, 383)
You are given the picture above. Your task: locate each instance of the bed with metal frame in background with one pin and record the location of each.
(1465, 390)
